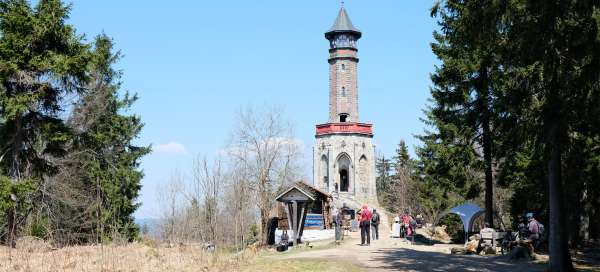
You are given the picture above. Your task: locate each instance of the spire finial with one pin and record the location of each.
(342, 3)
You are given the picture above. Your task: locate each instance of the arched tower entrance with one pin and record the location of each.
(344, 164)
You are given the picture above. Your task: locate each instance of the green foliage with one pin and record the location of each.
(111, 160)
(519, 84)
(448, 163)
(454, 227)
(395, 185)
(17, 197)
(41, 61)
(39, 226)
(383, 168)
(83, 171)
(466, 84)
(252, 234)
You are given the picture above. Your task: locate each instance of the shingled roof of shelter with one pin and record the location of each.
(343, 24)
(306, 189)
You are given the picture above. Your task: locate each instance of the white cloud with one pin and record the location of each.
(171, 148)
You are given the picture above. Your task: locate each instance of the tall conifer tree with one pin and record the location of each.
(104, 137)
(42, 60)
(554, 70)
(468, 44)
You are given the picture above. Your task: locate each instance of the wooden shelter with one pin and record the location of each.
(297, 199)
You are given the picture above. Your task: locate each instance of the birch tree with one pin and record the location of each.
(263, 143)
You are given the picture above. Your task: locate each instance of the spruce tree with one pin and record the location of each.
(105, 135)
(465, 84)
(554, 74)
(446, 170)
(383, 169)
(402, 184)
(42, 60)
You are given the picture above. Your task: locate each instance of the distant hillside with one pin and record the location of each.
(151, 224)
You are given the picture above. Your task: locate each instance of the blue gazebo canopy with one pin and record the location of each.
(467, 213)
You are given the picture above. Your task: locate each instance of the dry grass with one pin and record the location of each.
(35, 255)
(130, 257)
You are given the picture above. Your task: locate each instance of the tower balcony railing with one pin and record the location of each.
(345, 128)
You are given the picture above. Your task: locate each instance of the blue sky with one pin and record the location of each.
(195, 63)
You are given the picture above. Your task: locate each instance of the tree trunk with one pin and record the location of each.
(484, 98)
(560, 257)
(10, 237)
(14, 174)
(489, 182)
(264, 219)
(584, 218)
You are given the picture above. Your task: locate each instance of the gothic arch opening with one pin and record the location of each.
(363, 173)
(325, 171)
(344, 164)
(344, 183)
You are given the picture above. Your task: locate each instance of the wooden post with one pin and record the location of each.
(289, 215)
(301, 221)
(295, 221)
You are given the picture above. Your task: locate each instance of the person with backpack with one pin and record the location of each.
(365, 225)
(535, 228)
(406, 221)
(375, 225)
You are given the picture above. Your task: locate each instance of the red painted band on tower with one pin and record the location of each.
(345, 128)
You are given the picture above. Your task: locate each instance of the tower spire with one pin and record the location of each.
(343, 24)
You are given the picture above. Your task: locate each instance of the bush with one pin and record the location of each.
(16, 197)
(454, 227)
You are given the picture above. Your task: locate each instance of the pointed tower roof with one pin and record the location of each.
(342, 24)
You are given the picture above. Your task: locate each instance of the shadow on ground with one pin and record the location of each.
(404, 259)
(422, 240)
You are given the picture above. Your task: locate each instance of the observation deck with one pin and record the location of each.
(345, 128)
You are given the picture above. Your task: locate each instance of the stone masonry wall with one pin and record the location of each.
(361, 179)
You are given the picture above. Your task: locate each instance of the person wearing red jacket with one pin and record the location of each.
(365, 225)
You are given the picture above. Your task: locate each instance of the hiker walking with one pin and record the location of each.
(365, 224)
(375, 225)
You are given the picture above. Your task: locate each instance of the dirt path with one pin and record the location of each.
(389, 254)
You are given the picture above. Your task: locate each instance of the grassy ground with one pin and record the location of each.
(137, 257)
(349, 257)
(268, 265)
(284, 261)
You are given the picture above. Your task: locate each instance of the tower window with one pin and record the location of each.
(343, 91)
(343, 118)
(343, 67)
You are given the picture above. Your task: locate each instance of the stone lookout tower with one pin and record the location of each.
(344, 154)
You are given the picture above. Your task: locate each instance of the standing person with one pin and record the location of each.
(406, 224)
(365, 223)
(375, 225)
(355, 221)
(337, 221)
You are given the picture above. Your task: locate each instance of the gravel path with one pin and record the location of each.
(390, 254)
